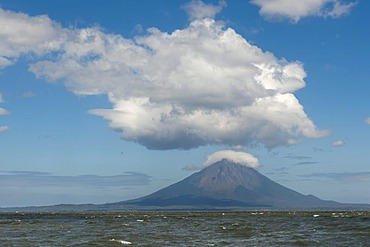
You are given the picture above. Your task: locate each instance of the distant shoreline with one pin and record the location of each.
(107, 208)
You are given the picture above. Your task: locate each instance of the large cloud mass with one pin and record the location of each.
(20, 34)
(297, 9)
(204, 84)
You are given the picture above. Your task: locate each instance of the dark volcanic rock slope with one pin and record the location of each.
(227, 184)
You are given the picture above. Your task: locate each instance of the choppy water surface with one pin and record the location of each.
(186, 229)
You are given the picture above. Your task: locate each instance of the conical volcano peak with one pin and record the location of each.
(226, 176)
(227, 162)
(229, 183)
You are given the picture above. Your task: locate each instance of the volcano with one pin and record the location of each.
(227, 184)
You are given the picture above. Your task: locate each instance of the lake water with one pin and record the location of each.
(260, 228)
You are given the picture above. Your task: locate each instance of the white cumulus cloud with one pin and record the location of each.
(367, 120)
(298, 9)
(204, 84)
(21, 34)
(3, 111)
(4, 128)
(337, 143)
(197, 9)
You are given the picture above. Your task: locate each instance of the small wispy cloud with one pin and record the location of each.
(197, 9)
(302, 160)
(4, 128)
(343, 177)
(4, 112)
(28, 94)
(337, 143)
(367, 120)
(32, 173)
(321, 150)
(192, 168)
(37, 178)
(295, 10)
(297, 157)
(306, 163)
(279, 171)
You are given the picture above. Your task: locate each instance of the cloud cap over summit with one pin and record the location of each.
(237, 157)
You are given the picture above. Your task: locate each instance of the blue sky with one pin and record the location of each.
(108, 101)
